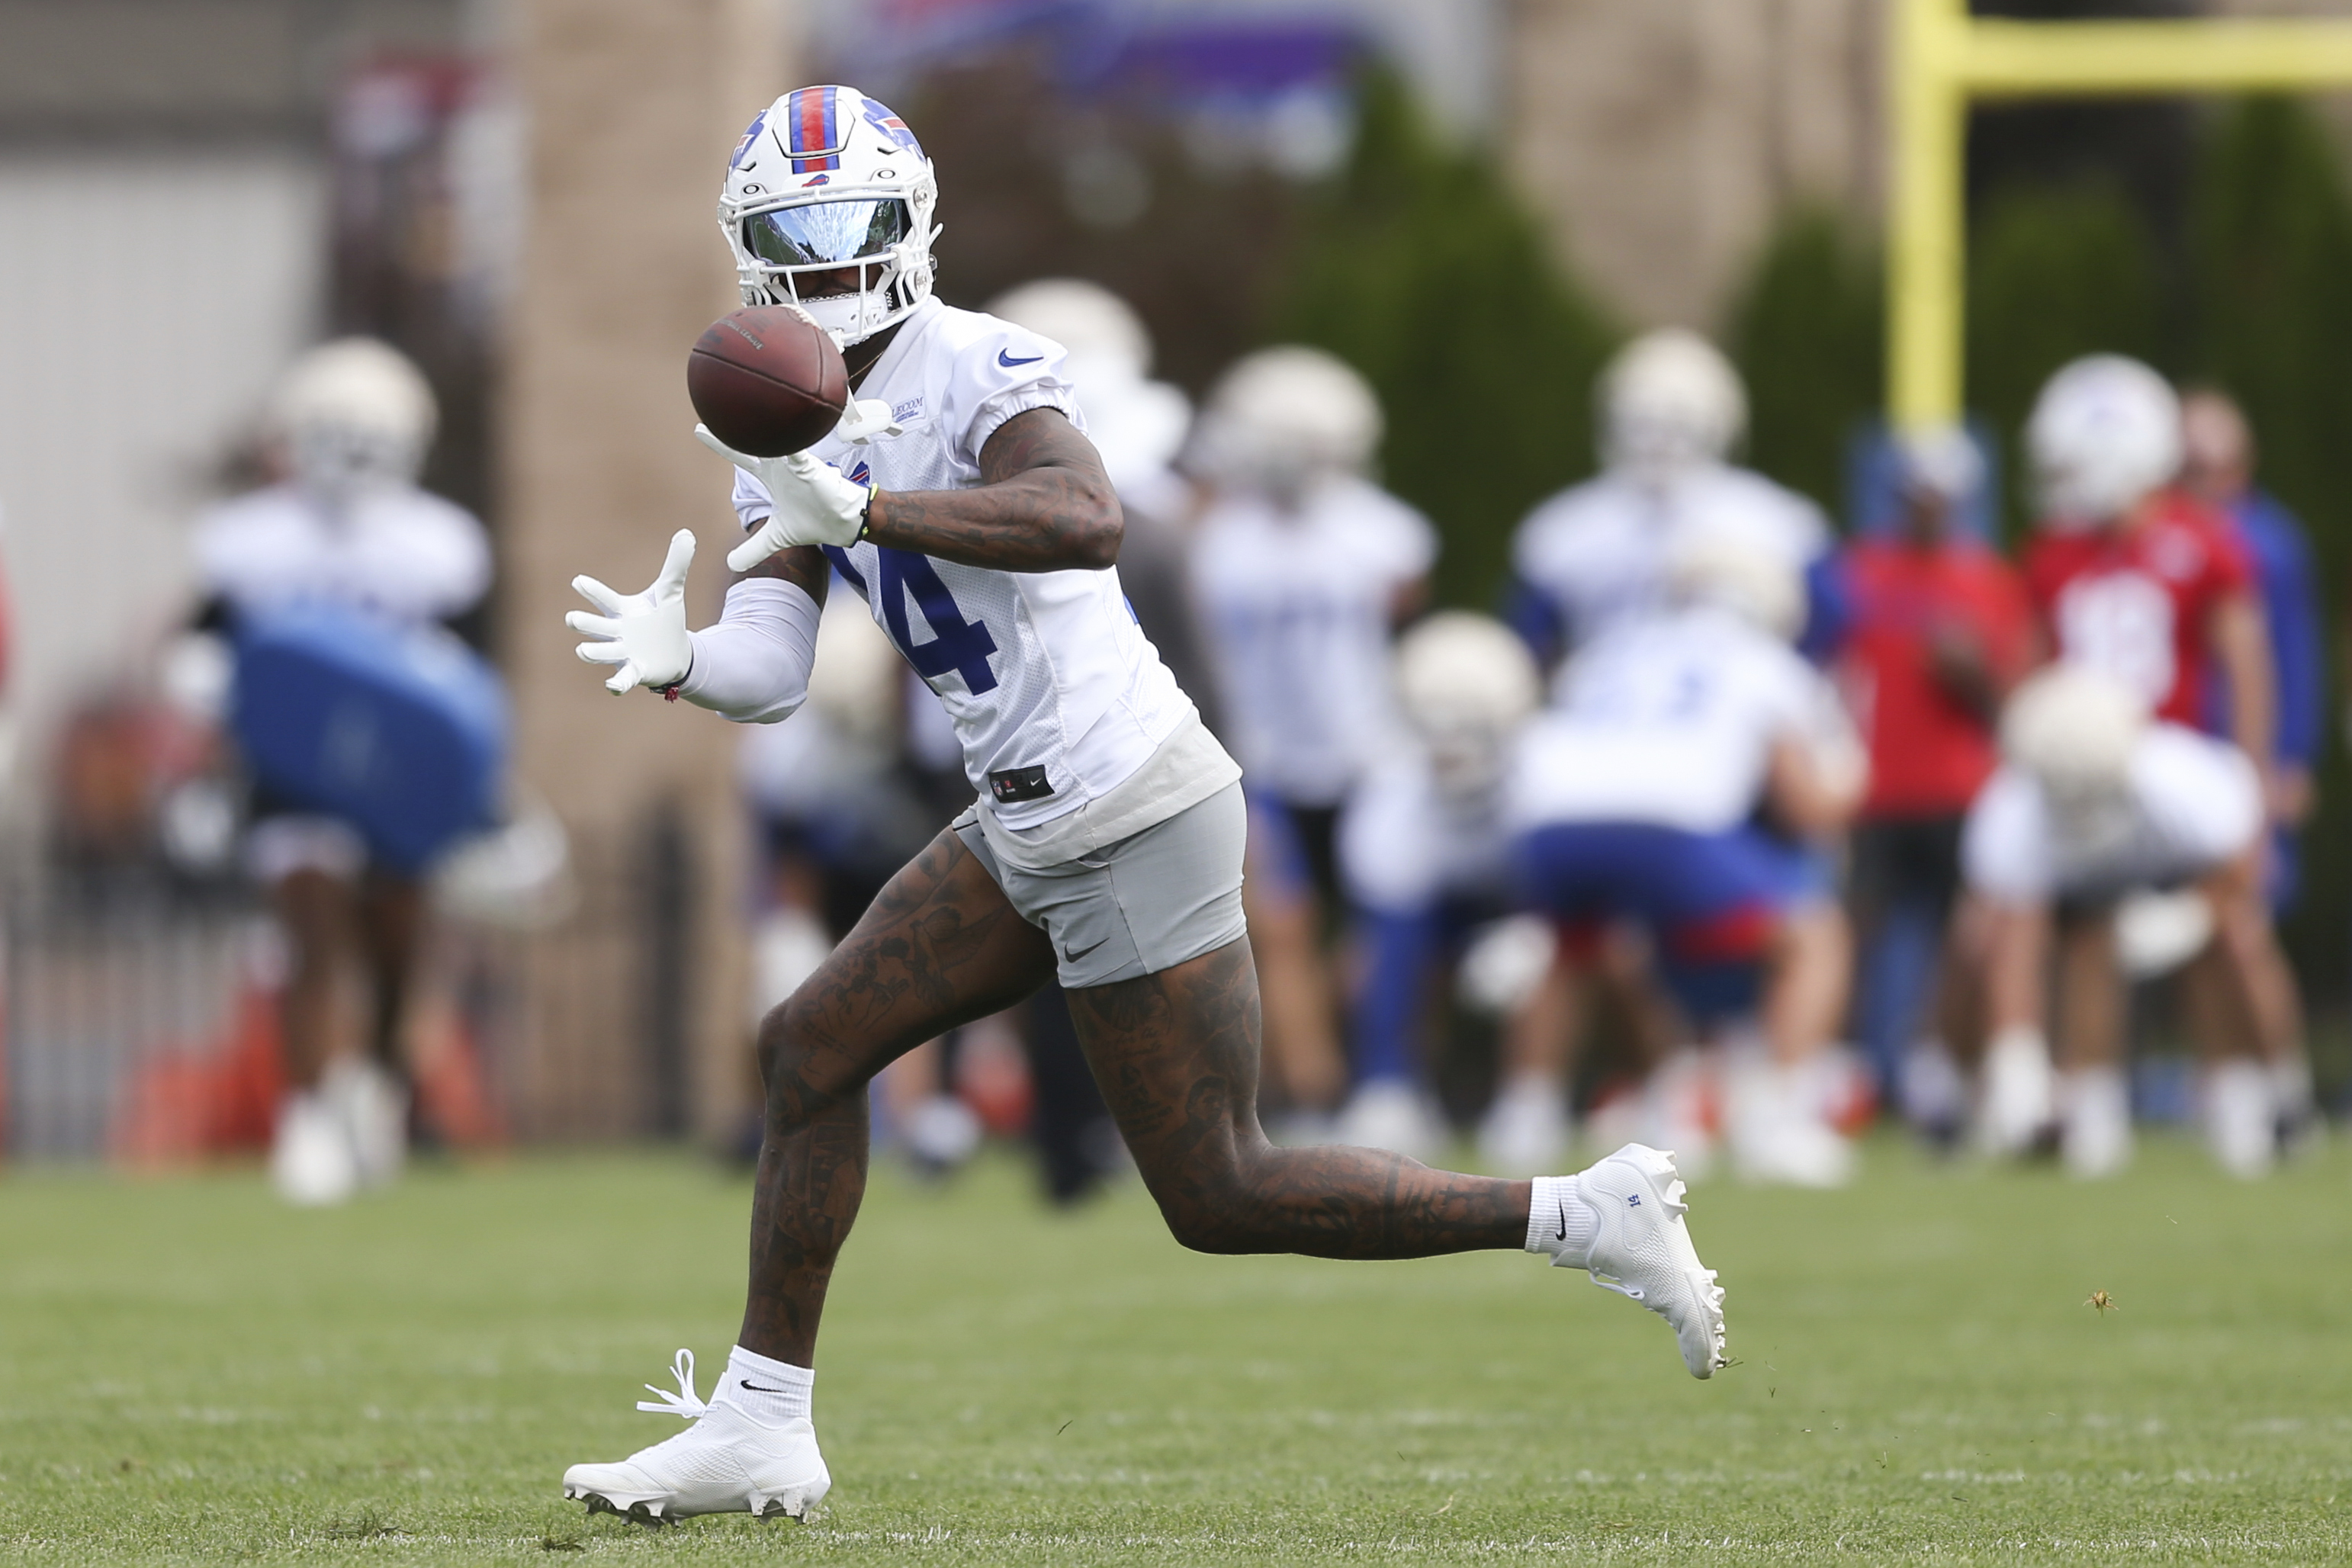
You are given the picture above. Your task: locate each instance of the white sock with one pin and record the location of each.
(769, 1391)
(1560, 1223)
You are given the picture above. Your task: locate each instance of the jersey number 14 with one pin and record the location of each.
(956, 644)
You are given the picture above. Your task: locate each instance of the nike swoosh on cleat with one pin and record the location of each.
(756, 1388)
(1073, 957)
(1004, 357)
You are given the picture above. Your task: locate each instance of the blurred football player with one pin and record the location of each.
(2096, 800)
(1689, 758)
(347, 527)
(1672, 409)
(1940, 633)
(2218, 465)
(2141, 580)
(1425, 859)
(1303, 567)
(1104, 849)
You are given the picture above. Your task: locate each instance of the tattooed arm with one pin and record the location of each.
(1044, 504)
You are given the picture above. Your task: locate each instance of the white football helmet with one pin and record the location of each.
(1138, 424)
(1939, 460)
(352, 414)
(2104, 432)
(1283, 419)
(827, 179)
(2074, 728)
(1670, 401)
(1756, 585)
(1465, 683)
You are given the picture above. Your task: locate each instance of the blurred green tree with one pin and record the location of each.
(1420, 266)
(1807, 333)
(2055, 272)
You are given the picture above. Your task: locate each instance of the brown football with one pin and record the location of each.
(767, 380)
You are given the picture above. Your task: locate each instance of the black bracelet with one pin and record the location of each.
(865, 515)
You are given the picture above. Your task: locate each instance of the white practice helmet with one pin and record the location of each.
(351, 412)
(1283, 417)
(1137, 424)
(2104, 432)
(1756, 585)
(1467, 683)
(1670, 401)
(2074, 728)
(1939, 460)
(825, 179)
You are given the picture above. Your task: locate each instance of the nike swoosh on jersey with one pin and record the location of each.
(1004, 357)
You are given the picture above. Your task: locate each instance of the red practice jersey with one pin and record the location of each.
(1930, 751)
(2136, 602)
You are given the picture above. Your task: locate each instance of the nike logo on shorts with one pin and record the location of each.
(1072, 957)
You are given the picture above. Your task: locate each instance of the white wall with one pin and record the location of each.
(146, 302)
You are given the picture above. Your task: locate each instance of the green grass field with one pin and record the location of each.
(189, 1373)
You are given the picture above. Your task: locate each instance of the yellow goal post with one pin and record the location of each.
(1943, 59)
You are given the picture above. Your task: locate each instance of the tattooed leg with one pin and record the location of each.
(1176, 1054)
(940, 947)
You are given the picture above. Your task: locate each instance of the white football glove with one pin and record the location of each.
(645, 634)
(813, 504)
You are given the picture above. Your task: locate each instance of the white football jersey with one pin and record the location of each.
(2191, 802)
(1668, 719)
(1055, 693)
(1404, 843)
(1297, 609)
(1599, 551)
(405, 555)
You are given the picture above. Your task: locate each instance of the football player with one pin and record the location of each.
(1688, 762)
(347, 527)
(1303, 567)
(963, 500)
(2217, 467)
(2095, 801)
(1671, 410)
(1426, 860)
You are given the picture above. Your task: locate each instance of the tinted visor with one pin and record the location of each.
(826, 233)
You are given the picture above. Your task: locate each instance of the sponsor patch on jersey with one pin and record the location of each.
(907, 413)
(1018, 785)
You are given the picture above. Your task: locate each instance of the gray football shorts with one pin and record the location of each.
(1148, 903)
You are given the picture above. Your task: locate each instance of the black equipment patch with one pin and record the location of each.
(1019, 784)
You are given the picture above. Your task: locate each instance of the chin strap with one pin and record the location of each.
(685, 1404)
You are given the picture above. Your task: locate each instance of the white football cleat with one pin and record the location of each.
(374, 1108)
(724, 1462)
(1642, 1250)
(1391, 1114)
(2020, 1092)
(2241, 1118)
(1525, 1130)
(310, 1157)
(2095, 1133)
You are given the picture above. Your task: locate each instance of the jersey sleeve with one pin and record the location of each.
(451, 558)
(1000, 373)
(752, 504)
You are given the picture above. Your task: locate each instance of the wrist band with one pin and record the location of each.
(865, 515)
